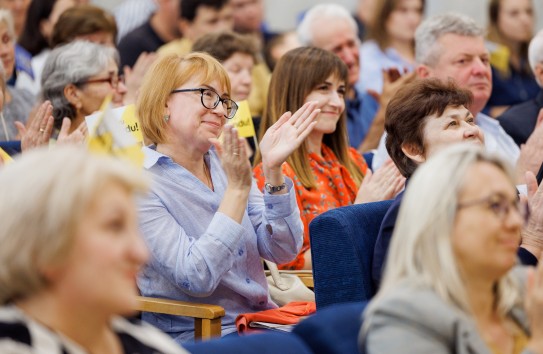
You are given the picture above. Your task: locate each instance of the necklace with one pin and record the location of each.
(207, 173)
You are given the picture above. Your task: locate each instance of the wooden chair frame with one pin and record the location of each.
(207, 318)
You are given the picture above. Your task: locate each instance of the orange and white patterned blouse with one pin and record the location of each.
(335, 188)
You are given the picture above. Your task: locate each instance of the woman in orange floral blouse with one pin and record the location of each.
(326, 172)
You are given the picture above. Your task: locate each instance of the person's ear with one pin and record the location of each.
(73, 95)
(414, 153)
(423, 71)
(539, 73)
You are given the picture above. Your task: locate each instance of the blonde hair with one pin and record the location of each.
(45, 195)
(167, 74)
(421, 251)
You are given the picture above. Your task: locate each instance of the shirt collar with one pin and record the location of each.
(151, 156)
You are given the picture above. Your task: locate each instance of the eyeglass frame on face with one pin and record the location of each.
(233, 109)
(500, 206)
(113, 79)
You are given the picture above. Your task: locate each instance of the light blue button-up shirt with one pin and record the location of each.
(201, 255)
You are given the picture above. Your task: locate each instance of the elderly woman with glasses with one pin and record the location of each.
(76, 79)
(450, 283)
(206, 223)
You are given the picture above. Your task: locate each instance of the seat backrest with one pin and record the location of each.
(342, 244)
(267, 343)
(334, 329)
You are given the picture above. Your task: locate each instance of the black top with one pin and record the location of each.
(142, 39)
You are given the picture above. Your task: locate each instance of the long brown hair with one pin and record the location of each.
(378, 31)
(297, 73)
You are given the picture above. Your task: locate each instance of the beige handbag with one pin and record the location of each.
(285, 288)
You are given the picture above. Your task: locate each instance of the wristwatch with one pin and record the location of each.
(271, 189)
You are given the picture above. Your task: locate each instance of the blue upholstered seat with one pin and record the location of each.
(334, 329)
(266, 343)
(342, 243)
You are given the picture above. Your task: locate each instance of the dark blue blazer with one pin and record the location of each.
(519, 120)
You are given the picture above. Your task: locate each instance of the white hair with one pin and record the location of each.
(322, 14)
(428, 33)
(535, 53)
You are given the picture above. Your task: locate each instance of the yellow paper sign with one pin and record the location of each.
(243, 121)
(109, 135)
(4, 157)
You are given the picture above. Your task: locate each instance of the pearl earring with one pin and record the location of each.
(166, 117)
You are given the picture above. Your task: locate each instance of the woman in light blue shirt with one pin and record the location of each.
(390, 42)
(206, 223)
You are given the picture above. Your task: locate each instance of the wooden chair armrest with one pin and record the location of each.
(207, 318)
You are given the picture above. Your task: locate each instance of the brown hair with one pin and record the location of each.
(408, 112)
(82, 20)
(167, 74)
(377, 31)
(297, 73)
(495, 35)
(222, 45)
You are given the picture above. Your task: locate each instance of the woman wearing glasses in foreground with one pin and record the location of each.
(449, 284)
(206, 223)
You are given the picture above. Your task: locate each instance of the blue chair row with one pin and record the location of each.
(342, 244)
(333, 330)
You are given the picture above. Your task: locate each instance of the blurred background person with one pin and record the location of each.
(278, 46)
(77, 77)
(198, 18)
(69, 275)
(160, 28)
(510, 29)
(390, 41)
(520, 120)
(327, 173)
(452, 281)
(18, 102)
(36, 37)
(364, 17)
(18, 9)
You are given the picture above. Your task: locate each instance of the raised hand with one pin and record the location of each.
(384, 184)
(234, 159)
(39, 129)
(76, 137)
(286, 135)
(134, 76)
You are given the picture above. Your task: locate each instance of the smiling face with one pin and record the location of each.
(239, 68)
(330, 96)
(466, 60)
(106, 255)
(488, 251)
(191, 124)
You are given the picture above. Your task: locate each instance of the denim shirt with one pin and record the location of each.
(201, 255)
(361, 111)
